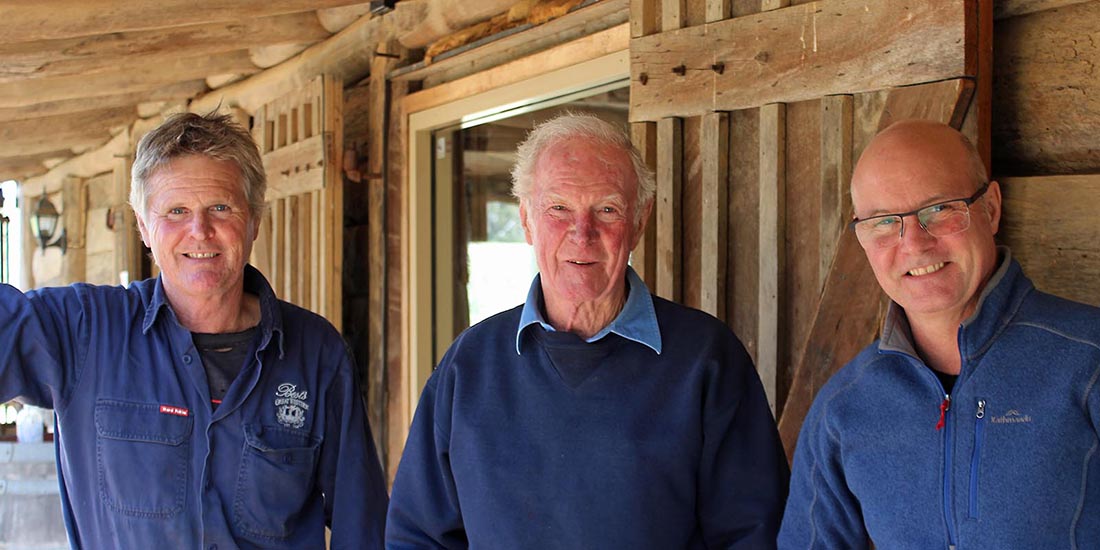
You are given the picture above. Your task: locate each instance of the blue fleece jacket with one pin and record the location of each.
(578, 445)
(1015, 464)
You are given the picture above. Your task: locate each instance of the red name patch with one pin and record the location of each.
(178, 411)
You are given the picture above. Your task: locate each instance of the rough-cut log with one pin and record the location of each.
(84, 166)
(18, 168)
(41, 135)
(799, 53)
(335, 20)
(1012, 8)
(27, 21)
(170, 93)
(91, 54)
(447, 16)
(122, 80)
(1050, 224)
(269, 56)
(848, 313)
(1047, 92)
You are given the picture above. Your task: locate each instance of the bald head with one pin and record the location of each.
(932, 146)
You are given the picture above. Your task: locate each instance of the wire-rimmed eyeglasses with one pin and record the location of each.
(939, 220)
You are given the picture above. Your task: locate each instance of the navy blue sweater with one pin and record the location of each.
(591, 445)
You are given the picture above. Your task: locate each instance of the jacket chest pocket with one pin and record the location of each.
(141, 458)
(275, 482)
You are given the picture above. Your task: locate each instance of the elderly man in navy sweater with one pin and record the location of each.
(595, 415)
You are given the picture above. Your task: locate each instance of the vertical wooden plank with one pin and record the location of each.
(744, 226)
(316, 218)
(74, 208)
(768, 5)
(672, 14)
(127, 243)
(644, 260)
(718, 10)
(278, 247)
(333, 99)
(261, 247)
(669, 178)
(770, 336)
(695, 12)
(396, 230)
(645, 17)
(691, 207)
(305, 250)
(714, 215)
(293, 252)
(836, 172)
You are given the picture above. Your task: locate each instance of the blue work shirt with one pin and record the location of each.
(637, 321)
(144, 460)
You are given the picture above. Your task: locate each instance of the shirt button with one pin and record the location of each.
(287, 459)
(187, 360)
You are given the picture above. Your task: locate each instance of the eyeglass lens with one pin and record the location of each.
(940, 220)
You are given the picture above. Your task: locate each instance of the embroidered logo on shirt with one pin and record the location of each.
(290, 405)
(178, 411)
(1013, 416)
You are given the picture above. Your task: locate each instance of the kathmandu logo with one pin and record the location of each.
(291, 406)
(1013, 416)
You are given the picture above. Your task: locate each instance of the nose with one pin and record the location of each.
(201, 229)
(914, 235)
(584, 227)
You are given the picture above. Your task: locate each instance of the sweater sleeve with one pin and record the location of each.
(424, 510)
(42, 344)
(822, 513)
(743, 472)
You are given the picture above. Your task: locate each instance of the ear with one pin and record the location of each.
(643, 221)
(524, 221)
(142, 229)
(992, 199)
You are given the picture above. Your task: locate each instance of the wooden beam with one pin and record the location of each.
(19, 168)
(842, 326)
(672, 14)
(1050, 224)
(807, 52)
(74, 210)
(24, 22)
(1003, 9)
(41, 135)
(670, 147)
(645, 17)
(836, 172)
(571, 26)
(122, 80)
(715, 214)
(771, 338)
(644, 260)
(170, 93)
(86, 165)
(92, 54)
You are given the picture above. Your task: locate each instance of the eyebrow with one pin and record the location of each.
(934, 199)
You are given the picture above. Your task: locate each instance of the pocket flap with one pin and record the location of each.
(140, 422)
(272, 438)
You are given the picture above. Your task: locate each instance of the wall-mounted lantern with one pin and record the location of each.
(44, 222)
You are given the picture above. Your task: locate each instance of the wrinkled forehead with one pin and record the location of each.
(906, 171)
(585, 160)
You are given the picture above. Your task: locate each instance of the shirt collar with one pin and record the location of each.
(637, 321)
(271, 320)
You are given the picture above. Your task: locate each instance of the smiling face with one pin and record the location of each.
(906, 167)
(580, 217)
(199, 227)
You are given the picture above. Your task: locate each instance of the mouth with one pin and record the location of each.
(926, 270)
(579, 262)
(200, 255)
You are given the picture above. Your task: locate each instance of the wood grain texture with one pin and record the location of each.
(771, 301)
(1046, 92)
(836, 172)
(644, 256)
(691, 212)
(1050, 224)
(714, 213)
(743, 230)
(842, 326)
(1003, 9)
(798, 53)
(670, 147)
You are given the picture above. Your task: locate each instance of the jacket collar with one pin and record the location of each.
(997, 305)
(271, 319)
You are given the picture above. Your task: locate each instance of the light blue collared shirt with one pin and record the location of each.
(637, 321)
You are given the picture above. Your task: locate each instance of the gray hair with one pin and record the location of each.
(211, 135)
(579, 126)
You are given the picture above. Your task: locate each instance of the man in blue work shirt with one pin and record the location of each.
(974, 421)
(595, 415)
(196, 410)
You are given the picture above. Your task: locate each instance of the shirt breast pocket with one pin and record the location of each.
(275, 482)
(141, 458)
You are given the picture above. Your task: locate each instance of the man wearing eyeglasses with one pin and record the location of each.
(973, 422)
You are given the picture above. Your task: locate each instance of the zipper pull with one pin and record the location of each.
(944, 407)
(981, 409)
